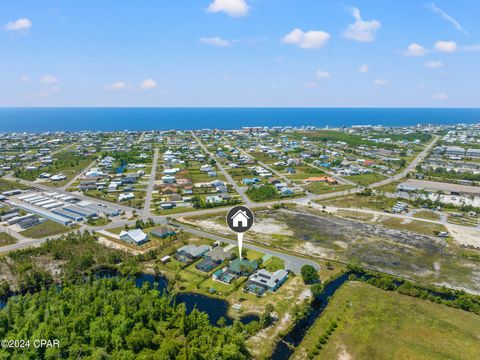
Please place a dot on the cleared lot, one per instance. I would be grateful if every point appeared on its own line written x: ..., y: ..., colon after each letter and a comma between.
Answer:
x: 405, y: 253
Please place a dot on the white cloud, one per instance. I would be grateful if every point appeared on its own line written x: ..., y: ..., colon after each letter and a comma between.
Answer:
x: 447, y: 17
x: 363, y: 69
x: 216, y: 41
x: 119, y: 85
x: 320, y: 74
x: 312, y: 39
x: 446, y: 46
x: 433, y: 64
x: 415, y: 49
x: 380, y: 82
x: 362, y: 30
x: 148, y: 84
x: 20, y: 24
x: 233, y: 8
x: 24, y: 78
x: 48, y: 79
x: 440, y: 96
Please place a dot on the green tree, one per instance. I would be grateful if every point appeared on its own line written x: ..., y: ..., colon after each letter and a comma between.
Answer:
x: 309, y: 274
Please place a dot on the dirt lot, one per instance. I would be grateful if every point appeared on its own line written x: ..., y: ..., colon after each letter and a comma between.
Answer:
x: 424, y: 258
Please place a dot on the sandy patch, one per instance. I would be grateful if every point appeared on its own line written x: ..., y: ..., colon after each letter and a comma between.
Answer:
x: 464, y: 235
x: 270, y: 226
x: 344, y: 355
x: 406, y: 221
x: 210, y: 225
x: 114, y: 245
x: 312, y: 250
x: 341, y: 244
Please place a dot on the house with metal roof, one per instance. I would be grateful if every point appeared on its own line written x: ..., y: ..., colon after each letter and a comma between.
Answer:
x: 189, y: 253
x: 263, y: 280
x: 136, y: 236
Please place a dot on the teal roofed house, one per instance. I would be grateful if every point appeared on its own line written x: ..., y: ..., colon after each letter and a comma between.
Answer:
x: 162, y: 232
x: 242, y: 267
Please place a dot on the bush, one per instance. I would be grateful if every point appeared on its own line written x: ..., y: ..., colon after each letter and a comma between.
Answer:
x: 309, y: 274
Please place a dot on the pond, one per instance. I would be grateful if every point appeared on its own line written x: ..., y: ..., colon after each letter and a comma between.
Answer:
x: 215, y: 308
x: 121, y: 168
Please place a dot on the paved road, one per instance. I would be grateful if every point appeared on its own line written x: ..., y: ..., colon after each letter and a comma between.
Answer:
x: 418, y: 159
x: 77, y: 176
x: 77, y: 195
x: 238, y: 189
x: 340, y: 179
x: 151, y: 185
x: 273, y: 171
x: 292, y: 263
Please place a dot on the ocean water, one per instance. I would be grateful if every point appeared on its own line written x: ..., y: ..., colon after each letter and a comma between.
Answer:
x: 108, y: 119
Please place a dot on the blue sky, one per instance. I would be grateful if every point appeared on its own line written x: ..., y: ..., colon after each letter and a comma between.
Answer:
x: 240, y: 53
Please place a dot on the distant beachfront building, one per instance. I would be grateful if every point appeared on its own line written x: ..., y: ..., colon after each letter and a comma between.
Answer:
x: 473, y: 152
x: 455, y: 150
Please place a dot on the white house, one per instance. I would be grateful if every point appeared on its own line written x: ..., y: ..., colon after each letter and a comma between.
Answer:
x: 58, y: 177
x: 240, y: 219
x: 126, y: 196
x: 169, y: 179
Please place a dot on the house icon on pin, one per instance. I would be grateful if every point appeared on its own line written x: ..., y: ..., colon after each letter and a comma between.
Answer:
x: 240, y: 219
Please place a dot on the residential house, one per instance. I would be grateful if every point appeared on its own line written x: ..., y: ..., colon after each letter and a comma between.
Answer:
x: 189, y: 253
x: 263, y: 280
x: 162, y: 232
x: 126, y: 196
x: 242, y: 267
x: 136, y: 236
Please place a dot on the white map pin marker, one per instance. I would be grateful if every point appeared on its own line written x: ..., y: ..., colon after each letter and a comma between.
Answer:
x: 240, y: 219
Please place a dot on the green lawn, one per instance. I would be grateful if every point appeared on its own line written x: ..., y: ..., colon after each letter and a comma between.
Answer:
x: 430, y: 215
x: 375, y: 324
x: 391, y: 188
x: 6, y: 239
x: 48, y: 228
x: 319, y: 188
x: 417, y: 226
x: 379, y: 203
x: 198, y: 176
x: 263, y: 157
x: 366, y: 179
x: 274, y: 264
x: 6, y: 185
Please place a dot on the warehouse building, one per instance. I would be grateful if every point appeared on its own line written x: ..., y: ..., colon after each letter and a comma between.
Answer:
x: 86, y: 213
x: 68, y: 214
x: 46, y: 214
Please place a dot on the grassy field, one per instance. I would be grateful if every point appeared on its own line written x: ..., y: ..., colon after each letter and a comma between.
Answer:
x: 418, y: 226
x: 375, y: 324
x: 48, y: 228
x: 6, y: 185
x: 391, y: 188
x: 6, y: 239
x: 430, y: 215
x: 274, y: 264
x: 379, y: 203
x: 355, y: 215
x: 319, y: 188
x: 263, y: 157
x: 366, y: 179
